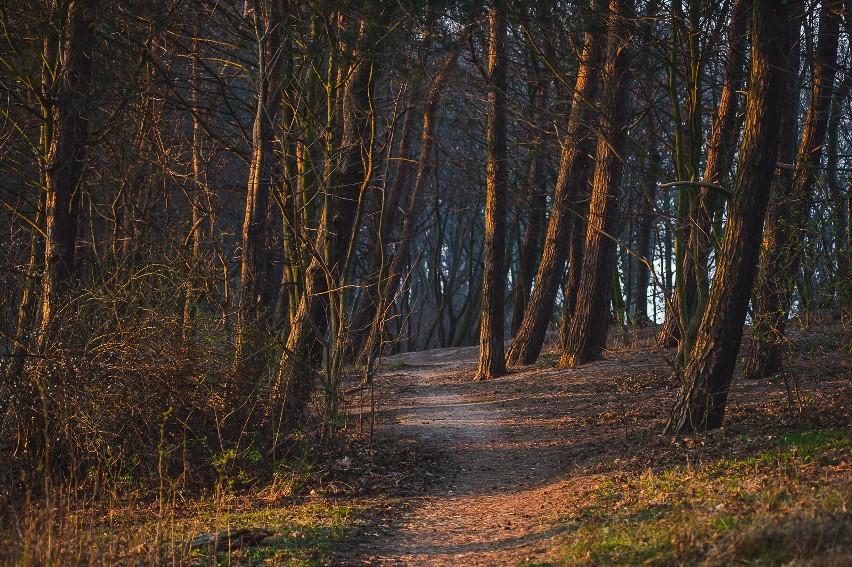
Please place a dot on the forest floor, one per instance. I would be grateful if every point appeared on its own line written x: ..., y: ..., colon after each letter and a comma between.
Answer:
x: 544, y: 466
x: 567, y: 466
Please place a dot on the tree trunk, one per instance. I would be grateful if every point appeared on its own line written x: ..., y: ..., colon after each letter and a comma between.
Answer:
x: 575, y: 267
x: 28, y: 306
x: 710, y: 366
x: 720, y: 152
x: 66, y: 158
x: 720, y: 155
x: 536, y: 205
x: 781, y: 187
x: 302, y: 352
x: 574, y: 166
x: 253, y: 270
x: 648, y: 193
x: 491, y: 348
x: 198, y: 187
x: 842, y: 284
x: 789, y: 213
x: 589, y: 325
x: 643, y: 244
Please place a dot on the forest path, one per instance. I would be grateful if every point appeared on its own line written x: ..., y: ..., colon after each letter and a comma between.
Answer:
x: 498, y: 472
x: 499, y: 478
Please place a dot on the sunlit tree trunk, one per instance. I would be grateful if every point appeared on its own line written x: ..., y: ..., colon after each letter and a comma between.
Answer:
x: 198, y: 189
x: 574, y: 167
x: 790, y: 210
x: 710, y: 366
x: 28, y: 304
x: 720, y: 154
x: 491, y: 348
x: 589, y: 325
x: 253, y: 265
x: 66, y: 156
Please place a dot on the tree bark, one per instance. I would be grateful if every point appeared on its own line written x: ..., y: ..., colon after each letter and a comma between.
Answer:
x: 66, y: 157
x: 571, y: 290
x: 536, y: 202
x: 253, y: 268
x: 710, y: 367
x: 297, y: 369
x: 589, y: 325
x: 491, y: 348
x: 789, y: 213
x: 574, y: 167
x: 720, y: 153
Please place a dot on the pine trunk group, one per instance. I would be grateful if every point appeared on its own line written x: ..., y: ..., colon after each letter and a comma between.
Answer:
x: 233, y: 211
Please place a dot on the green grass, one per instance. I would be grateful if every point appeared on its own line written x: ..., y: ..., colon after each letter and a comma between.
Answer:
x: 394, y: 366
x: 304, y: 534
x: 742, y: 510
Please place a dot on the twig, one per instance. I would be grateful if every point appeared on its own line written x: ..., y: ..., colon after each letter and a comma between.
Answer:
x: 711, y: 186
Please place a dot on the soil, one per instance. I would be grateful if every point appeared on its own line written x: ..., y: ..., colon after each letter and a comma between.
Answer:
x: 498, y: 467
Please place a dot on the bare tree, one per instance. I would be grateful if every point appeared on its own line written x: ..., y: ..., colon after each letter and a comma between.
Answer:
x: 254, y: 277
x: 590, y: 322
x: 66, y: 155
x: 491, y: 350
x: 574, y: 172
x: 710, y: 366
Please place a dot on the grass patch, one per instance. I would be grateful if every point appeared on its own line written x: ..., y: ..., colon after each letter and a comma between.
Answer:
x: 304, y: 533
x: 786, y: 500
x: 394, y: 366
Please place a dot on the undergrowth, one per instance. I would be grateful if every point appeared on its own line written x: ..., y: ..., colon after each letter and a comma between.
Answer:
x: 786, y: 499
x: 300, y: 507
x: 303, y: 533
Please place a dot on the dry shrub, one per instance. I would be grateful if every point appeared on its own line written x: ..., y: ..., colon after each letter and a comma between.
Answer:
x: 122, y: 397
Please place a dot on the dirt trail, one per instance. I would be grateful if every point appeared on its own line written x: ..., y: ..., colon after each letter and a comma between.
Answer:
x: 495, y: 493
x: 501, y: 468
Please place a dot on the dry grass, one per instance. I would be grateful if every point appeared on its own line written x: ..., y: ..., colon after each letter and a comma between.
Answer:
x: 781, y: 500
x: 106, y: 532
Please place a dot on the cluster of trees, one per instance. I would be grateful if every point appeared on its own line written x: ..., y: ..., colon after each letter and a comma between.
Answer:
x: 213, y: 212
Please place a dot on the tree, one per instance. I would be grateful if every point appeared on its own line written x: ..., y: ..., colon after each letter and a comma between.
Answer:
x: 491, y: 353
x: 69, y: 126
x: 589, y: 325
x: 720, y: 154
x: 302, y: 354
x: 682, y: 319
x: 789, y: 211
x: 535, y: 198
x: 709, y: 369
x: 254, y: 277
x: 392, y: 271
x: 574, y: 172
